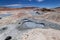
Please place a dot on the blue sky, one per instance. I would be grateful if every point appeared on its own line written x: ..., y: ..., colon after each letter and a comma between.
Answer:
x: 26, y: 3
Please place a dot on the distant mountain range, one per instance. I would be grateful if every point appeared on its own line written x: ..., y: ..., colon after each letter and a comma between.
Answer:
x: 37, y: 8
x: 57, y: 8
x: 27, y: 7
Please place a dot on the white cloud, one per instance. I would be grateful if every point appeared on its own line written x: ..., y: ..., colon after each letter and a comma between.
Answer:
x: 14, y: 5
x: 40, y: 0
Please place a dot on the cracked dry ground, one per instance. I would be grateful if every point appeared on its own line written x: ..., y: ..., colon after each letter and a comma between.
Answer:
x: 29, y: 25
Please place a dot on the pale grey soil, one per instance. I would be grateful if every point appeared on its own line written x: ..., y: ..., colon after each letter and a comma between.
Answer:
x: 23, y: 25
x: 28, y: 23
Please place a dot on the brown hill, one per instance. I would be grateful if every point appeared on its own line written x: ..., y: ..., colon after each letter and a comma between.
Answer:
x: 57, y: 9
x: 29, y: 8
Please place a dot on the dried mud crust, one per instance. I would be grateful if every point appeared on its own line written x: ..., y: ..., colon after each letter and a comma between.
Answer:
x: 36, y: 23
x: 41, y: 34
x: 17, y: 29
x: 55, y: 16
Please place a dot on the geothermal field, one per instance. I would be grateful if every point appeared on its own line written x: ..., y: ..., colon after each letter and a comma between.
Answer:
x: 29, y: 23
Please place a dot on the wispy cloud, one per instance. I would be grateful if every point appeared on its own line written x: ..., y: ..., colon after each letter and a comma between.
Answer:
x: 14, y: 5
x: 40, y: 0
x: 19, y: 5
